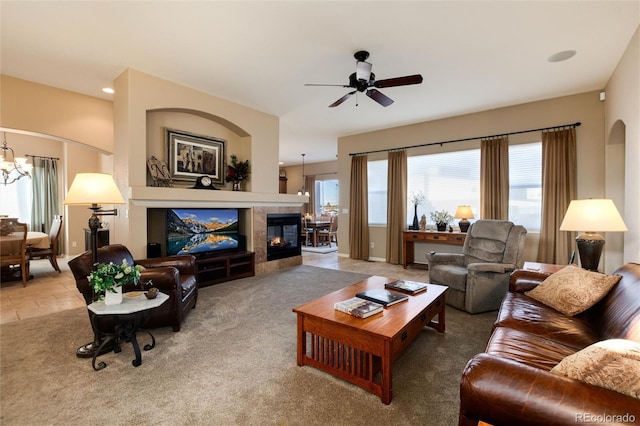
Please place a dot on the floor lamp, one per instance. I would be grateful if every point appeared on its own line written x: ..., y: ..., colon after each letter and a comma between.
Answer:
x: 592, y: 216
x: 93, y: 189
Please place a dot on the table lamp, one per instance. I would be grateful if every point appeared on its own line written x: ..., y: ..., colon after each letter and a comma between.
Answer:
x: 592, y: 216
x: 464, y: 213
x: 94, y: 189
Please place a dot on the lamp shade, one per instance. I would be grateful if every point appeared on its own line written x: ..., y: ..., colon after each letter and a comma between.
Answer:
x: 463, y: 212
x: 93, y: 188
x: 595, y: 215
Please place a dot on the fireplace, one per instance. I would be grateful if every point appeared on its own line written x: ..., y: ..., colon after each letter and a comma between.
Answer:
x: 283, y: 236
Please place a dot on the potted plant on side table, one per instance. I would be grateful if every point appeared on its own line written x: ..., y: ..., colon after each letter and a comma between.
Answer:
x: 108, y: 278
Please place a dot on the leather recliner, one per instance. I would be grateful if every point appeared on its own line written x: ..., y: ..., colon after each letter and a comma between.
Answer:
x: 172, y: 275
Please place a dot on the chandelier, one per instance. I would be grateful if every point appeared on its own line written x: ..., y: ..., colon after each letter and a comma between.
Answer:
x: 303, y: 190
x: 14, y: 169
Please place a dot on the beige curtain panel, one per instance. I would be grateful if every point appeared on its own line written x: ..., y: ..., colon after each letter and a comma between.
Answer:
x: 559, y: 187
x: 396, y: 204
x: 359, y: 209
x: 494, y: 178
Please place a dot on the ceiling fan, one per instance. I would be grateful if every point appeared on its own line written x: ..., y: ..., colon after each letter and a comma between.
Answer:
x: 363, y: 80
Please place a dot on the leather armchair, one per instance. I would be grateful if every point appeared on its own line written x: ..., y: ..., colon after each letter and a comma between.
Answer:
x: 172, y: 275
x: 479, y: 277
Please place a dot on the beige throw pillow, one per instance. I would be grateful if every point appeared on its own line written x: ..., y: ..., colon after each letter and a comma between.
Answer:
x: 612, y: 364
x: 573, y: 290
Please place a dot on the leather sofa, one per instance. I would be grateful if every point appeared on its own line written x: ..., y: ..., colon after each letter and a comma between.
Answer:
x: 511, y: 383
x: 172, y: 275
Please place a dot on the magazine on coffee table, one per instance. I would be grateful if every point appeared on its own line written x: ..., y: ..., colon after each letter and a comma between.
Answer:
x: 358, y: 307
x: 411, y: 287
x: 382, y: 296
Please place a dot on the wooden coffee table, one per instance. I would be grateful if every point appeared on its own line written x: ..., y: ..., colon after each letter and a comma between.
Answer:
x: 362, y: 351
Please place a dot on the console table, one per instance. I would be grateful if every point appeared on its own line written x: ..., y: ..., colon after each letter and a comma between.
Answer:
x: 411, y: 237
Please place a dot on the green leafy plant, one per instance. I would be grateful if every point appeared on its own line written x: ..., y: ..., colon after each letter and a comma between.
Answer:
x: 441, y: 217
x: 237, y: 170
x: 108, y: 276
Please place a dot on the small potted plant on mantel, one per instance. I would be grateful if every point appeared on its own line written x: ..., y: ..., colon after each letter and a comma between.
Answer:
x: 237, y: 172
x: 441, y: 218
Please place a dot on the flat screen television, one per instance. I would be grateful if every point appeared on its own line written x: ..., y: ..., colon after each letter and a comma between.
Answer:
x: 199, y: 231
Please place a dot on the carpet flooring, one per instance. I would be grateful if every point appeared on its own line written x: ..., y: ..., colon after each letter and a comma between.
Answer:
x: 233, y: 363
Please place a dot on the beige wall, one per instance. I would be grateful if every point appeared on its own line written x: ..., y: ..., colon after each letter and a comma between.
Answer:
x: 585, y: 108
x: 76, y: 128
x: 256, y: 135
x: 622, y: 138
x: 325, y: 170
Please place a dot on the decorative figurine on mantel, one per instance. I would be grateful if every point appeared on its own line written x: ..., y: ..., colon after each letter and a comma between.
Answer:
x: 159, y: 172
x: 423, y: 223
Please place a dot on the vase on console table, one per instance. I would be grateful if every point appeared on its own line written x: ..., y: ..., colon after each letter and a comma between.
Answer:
x: 416, y: 224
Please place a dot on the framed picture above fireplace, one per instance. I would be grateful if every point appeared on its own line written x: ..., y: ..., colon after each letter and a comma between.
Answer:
x: 191, y: 156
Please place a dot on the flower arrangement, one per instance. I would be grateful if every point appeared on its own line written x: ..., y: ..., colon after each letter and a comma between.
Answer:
x: 417, y: 198
x: 441, y: 217
x: 237, y: 170
x: 108, y: 276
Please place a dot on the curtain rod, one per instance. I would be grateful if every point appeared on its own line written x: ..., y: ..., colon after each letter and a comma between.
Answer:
x: 40, y: 156
x: 470, y: 139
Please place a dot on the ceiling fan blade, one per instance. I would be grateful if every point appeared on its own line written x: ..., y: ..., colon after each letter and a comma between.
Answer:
x: 363, y: 70
x: 342, y: 99
x: 399, y: 81
x: 332, y: 85
x: 383, y: 100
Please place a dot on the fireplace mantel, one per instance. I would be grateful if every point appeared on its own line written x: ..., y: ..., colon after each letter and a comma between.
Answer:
x: 158, y: 197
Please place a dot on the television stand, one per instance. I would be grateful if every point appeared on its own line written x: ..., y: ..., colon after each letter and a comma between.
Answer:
x: 220, y: 267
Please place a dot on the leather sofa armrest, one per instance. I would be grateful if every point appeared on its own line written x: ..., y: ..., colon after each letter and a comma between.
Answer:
x: 502, y: 391
x: 491, y: 267
x: 455, y: 258
x: 523, y: 280
x: 186, y: 264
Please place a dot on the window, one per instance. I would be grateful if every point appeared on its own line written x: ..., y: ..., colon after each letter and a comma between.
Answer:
x: 447, y: 180
x: 451, y: 179
x: 525, y: 185
x: 326, y: 197
x: 16, y: 199
x: 377, y: 183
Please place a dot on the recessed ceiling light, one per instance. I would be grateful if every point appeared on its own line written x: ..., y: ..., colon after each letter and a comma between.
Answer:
x: 108, y: 90
x: 561, y: 56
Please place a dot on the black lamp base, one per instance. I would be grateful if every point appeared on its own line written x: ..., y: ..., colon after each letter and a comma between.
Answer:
x: 590, y: 247
x: 464, y: 225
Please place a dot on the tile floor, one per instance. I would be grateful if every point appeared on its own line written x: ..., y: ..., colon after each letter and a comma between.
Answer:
x: 50, y: 292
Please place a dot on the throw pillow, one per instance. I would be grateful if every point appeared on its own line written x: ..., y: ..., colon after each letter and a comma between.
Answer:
x: 612, y: 364
x: 573, y: 290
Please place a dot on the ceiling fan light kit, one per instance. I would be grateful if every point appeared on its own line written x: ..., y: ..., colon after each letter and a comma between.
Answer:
x: 364, y: 81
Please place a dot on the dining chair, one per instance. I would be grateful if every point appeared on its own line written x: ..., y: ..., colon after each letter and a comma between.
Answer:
x: 13, y: 250
x: 328, y: 235
x: 306, y: 232
x: 52, y: 251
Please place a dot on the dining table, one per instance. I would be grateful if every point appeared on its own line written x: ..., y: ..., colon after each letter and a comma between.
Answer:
x: 34, y: 239
x: 10, y: 243
x: 317, y: 225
